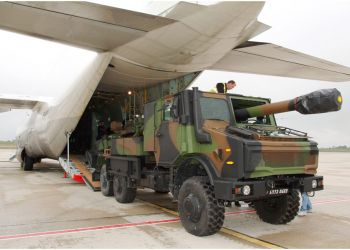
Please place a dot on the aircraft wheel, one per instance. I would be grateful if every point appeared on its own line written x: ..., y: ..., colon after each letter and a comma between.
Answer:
x: 106, y: 185
x: 278, y: 210
x: 28, y: 163
x: 122, y: 192
x: 199, y: 211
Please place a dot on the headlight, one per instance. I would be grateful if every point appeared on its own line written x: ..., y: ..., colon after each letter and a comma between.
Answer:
x: 314, y: 184
x: 246, y: 190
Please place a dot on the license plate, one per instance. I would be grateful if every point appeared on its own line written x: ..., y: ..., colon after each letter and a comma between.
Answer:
x: 277, y: 191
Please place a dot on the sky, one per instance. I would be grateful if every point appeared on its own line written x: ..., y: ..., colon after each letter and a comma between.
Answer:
x: 35, y: 67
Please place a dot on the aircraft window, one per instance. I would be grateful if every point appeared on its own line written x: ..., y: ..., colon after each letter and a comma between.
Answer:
x: 214, y: 109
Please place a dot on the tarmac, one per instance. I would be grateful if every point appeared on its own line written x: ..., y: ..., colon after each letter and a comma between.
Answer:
x: 42, y: 209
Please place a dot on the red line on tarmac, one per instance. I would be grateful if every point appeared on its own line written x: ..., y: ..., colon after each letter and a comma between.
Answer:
x: 136, y: 224
x: 330, y: 201
x: 76, y: 230
x: 115, y: 226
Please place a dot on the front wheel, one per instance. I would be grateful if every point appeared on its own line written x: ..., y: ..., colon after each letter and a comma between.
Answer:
x: 122, y: 192
x: 199, y: 211
x: 28, y: 163
x: 278, y: 210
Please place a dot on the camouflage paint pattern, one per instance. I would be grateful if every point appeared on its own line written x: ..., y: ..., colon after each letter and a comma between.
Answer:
x: 170, y: 87
x: 132, y: 146
x: 233, y: 155
x: 265, y: 158
x: 268, y: 156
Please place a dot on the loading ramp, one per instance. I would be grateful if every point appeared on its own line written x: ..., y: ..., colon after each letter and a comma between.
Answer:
x: 78, y: 170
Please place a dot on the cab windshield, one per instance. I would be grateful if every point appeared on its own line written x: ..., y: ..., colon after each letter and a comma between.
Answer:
x: 214, y: 109
x: 246, y: 102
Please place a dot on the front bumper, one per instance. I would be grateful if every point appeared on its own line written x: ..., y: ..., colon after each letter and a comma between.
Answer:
x: 231, y: 190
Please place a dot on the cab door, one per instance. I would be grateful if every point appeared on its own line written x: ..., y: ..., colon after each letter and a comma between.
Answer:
x: 167, y: 133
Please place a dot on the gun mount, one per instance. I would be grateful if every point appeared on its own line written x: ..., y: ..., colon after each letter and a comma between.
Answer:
x: 320, y: 101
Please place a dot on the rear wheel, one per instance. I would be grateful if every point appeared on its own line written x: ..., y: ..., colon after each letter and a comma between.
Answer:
x: 278, y: 210
x: 106, y: 185
x: 27, y: 163
x: 199, y: 211
x: 122, y: 192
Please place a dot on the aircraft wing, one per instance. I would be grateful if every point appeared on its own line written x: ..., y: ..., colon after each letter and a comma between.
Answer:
x: 8, y: 102
x: 82, y: 24
x: 149, y: 49
x: 271, y: 59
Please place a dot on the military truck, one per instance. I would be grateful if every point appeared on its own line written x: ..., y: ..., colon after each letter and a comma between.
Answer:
x: 211, y: 149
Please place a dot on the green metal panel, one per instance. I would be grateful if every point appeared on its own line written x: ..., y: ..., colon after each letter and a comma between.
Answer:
x: 169, y: 87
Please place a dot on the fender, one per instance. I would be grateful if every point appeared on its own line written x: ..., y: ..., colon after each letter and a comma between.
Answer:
x: 207, y: 164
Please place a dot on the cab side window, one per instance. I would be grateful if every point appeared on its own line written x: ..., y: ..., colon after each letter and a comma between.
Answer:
x: 171, y: 109
x: 167, y: 111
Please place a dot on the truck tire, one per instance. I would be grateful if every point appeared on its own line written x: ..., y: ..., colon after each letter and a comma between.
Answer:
x: 27, y: 163
x: 199, y: 211
x: 278, y: 210
x: 122, y: 192
x: 106, y: 185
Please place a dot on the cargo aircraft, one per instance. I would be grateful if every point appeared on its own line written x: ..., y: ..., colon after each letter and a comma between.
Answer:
x: 152, y: 55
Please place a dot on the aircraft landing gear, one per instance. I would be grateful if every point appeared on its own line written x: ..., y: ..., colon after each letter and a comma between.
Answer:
x: 27, y: 163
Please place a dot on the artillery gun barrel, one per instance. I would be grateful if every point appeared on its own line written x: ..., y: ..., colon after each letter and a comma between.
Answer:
x: 320, y: 101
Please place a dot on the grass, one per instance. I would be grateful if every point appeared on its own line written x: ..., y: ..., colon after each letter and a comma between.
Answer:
x: 344, y: 149
x: 7, y: 144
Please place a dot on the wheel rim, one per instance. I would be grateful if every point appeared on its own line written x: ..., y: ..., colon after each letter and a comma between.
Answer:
x: 192, y: 208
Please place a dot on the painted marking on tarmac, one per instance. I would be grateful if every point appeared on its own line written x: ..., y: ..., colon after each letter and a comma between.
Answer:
x: 155, y: 222
x: 330, y: 201
x: 230, y: 232
x: 250, y: 239
x: 77, y: 230
x: 169, y: 211
x: 242, y: 236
